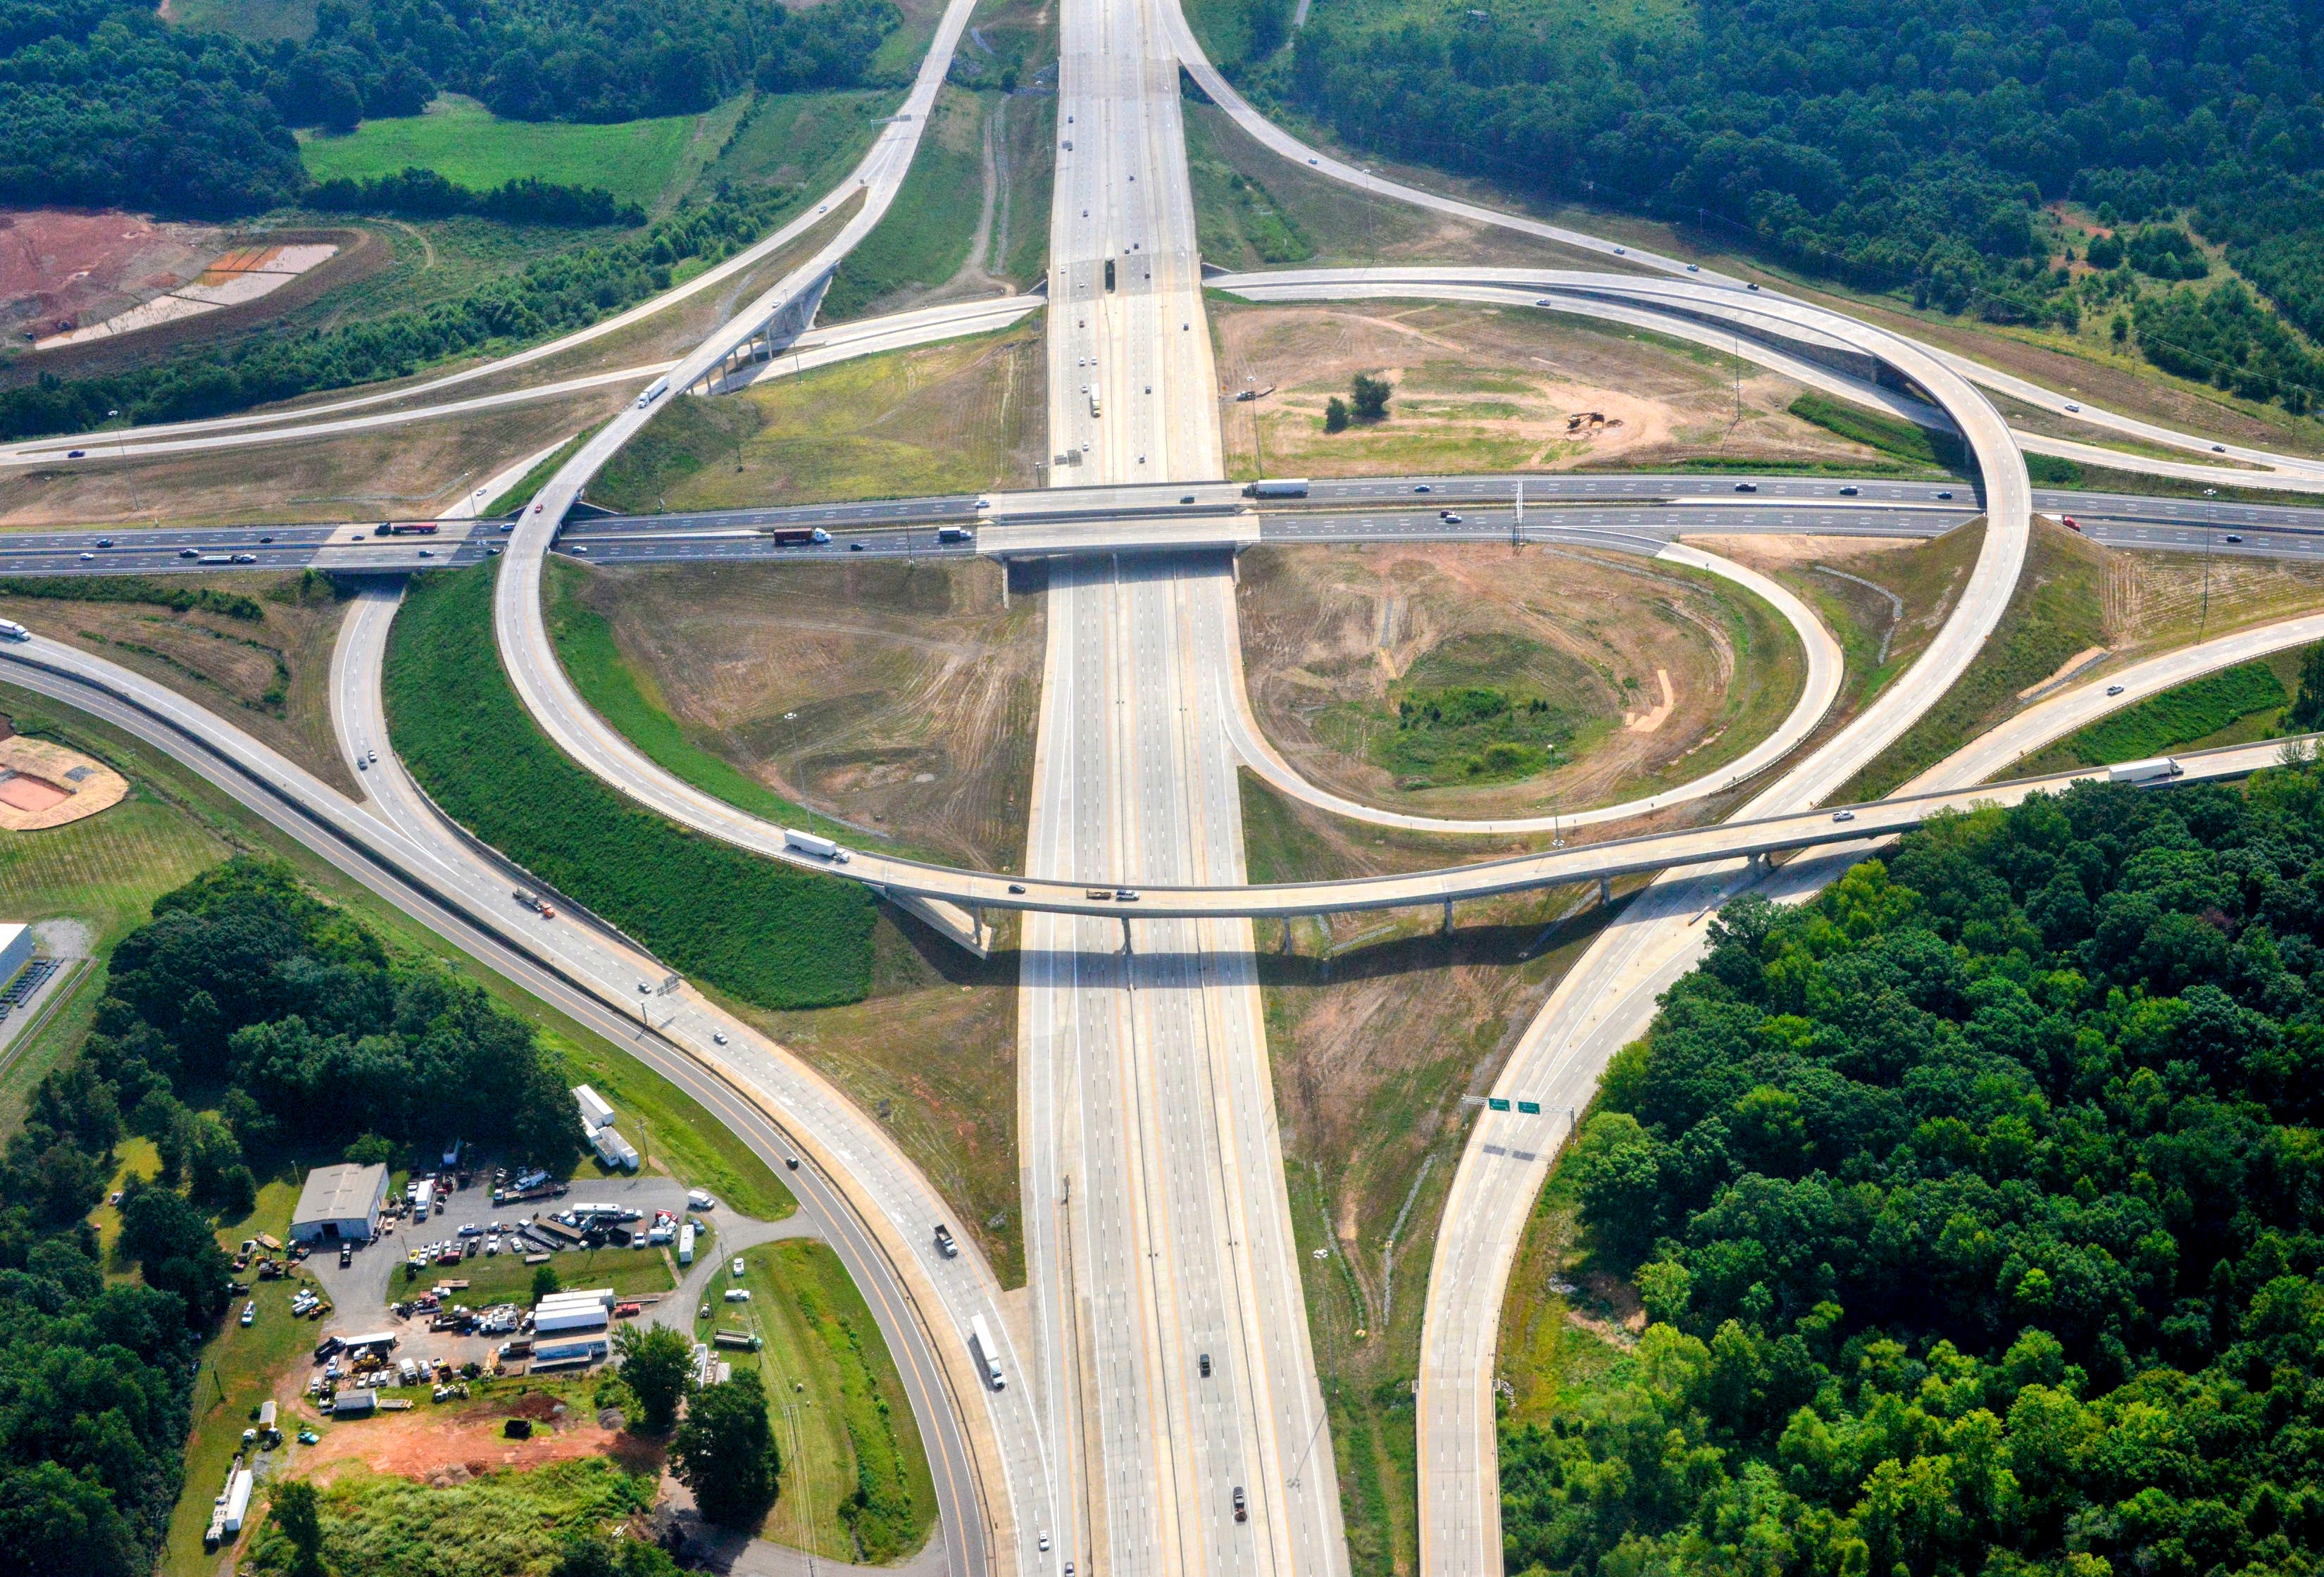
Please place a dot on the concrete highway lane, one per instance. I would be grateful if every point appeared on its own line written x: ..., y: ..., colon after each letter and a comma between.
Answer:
x: 1168, y: 1307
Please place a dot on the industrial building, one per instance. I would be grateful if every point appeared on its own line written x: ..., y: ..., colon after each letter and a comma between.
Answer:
x: 340, y: 1204
x: 16, y: 950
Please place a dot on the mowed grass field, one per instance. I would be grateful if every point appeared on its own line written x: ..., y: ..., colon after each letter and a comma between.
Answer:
x: 855, y: 1482
x: 468, y: 144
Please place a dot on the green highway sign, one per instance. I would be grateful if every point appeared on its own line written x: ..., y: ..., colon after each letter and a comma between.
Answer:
x: 1498, y: 1104
x: 1530, y: 1108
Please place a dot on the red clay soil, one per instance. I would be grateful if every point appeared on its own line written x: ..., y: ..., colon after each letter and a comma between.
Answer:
x: 84, y: 264
x: 88, y: 265
x: 432, y: 1439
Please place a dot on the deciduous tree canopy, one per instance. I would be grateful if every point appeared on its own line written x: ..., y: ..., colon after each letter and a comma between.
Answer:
x: 1978, y: 1206
x: 1891, y: 146
x: 102, y: 102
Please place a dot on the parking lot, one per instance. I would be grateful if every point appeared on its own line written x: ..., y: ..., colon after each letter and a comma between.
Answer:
x: 361, y: 1293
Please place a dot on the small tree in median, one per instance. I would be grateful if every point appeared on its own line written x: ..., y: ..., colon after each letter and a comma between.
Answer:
x: 2307, y: 711
x: 724, y: 1452
x: 297, y: 1515
x: 656, y: 1363
x: 1369, y: 397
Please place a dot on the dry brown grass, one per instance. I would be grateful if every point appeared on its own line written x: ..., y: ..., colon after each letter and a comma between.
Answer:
x: 959, y: 417
x: 896, y: 699
x: 1330, y: 635
x: 900, y: 699
x: 931, y: 1054
x: 2154, y: 602
x: 271, y: 679
x: 418, y: 469
x: 1489, y: 388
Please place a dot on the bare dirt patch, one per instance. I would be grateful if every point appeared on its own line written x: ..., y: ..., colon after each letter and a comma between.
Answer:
x: 82, y: 264
x: 463, y: 1440
x: 1647, y: 662
x: 1497, y: 389
x: 44, y: 785
x: 895, y: 698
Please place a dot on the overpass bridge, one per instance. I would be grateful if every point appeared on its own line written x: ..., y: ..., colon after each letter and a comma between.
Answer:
x: 1758, y: 841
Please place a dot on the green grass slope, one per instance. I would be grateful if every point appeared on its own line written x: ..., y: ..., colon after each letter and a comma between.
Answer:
x: 771, y: 935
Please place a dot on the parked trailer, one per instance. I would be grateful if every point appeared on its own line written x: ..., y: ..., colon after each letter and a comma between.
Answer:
x: 741, y: 1339
x: 237, y: 1501
x: 568, y: 1355
x: 613, y: 1149
x: 2154, y: 769
x: 1277, y: 487
x: 986, y: 1353
x: 556, y: 1322
x: 814, y: 844
x: 596, y: 1111
x: 685, y: 1245
x: 601, y: 1296
x: 550, y: 1230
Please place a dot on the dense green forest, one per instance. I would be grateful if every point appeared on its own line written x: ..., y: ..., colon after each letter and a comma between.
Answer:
x: 1978, y: 1208
x: 1896, y: 148
x: 563, y: 292
x: 101, y: 102
x: 247, y: 1017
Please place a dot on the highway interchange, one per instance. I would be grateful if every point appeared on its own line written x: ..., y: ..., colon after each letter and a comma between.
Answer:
x: 1167, y: 1367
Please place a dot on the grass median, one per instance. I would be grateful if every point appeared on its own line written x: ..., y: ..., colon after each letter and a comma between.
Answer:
x: 855, y: 1480
x: 742, y: 922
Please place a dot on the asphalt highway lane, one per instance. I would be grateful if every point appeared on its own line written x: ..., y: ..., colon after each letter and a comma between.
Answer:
x: 396, y: 847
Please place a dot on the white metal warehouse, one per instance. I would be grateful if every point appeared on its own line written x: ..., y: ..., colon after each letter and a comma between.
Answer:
x: 340, y: 1204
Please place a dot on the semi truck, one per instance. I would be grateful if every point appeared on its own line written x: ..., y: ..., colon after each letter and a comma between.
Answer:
x: 1277, y: 487
x: 1093, y: 410
x: 822, y: 848
x: 952, y: 534
x: 799, y: 535
x: 654, y: 390
x: 986, y: 1353
x: 2154, y: 769
x: 12, y: 630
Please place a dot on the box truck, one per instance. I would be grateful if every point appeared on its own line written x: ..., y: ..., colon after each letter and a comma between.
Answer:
x: 987, y: 1354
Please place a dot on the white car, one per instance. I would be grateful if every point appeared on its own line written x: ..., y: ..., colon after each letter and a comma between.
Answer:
x: 738, y: 1295
x: 250, y: 1314
x: 738, y: 1265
